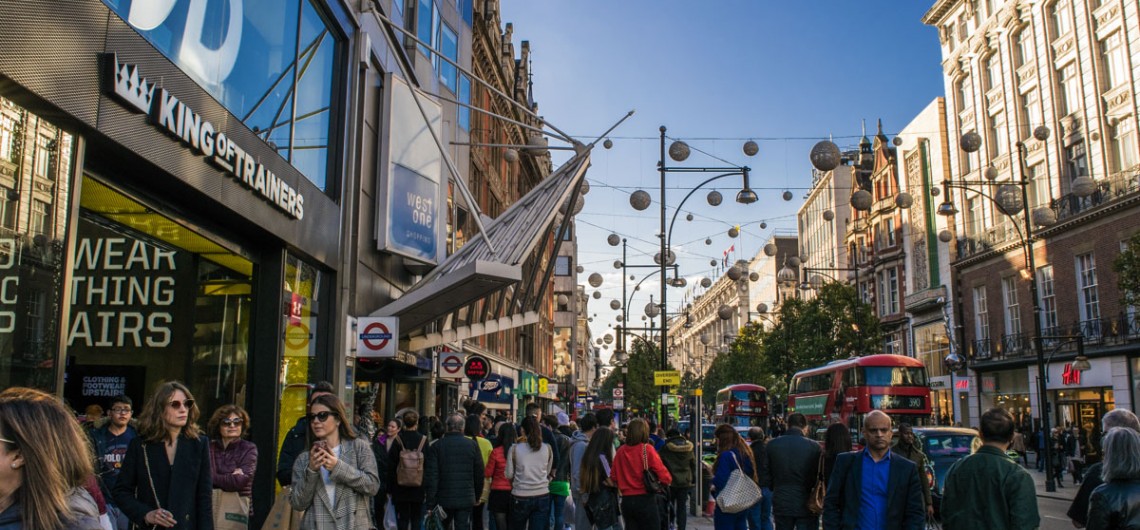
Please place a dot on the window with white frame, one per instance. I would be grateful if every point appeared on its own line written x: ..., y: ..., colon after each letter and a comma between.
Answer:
x: 1088, y: 299
x: 1012, y: 309
x: 1062, y: 24
x: 889, y: 228
x: 882, y: 291
x: 981, y: 314
x: 893, y: 290
x: 1070, y: 88
x: 993, y: 72
x: 1024, y: 42
x: 965, y: 101
x: 7, y: 130
x: 964, y: 29
x: 1115, y: 60
x: 1124, y: 145
x: 975, y: 217
x: 1048, y: 299
x: 39, y: 218
x: 951, y: 34
x: 996, y: 140
x: 1076, y: 161
x: 45, y: 157
x: 1030, y: 111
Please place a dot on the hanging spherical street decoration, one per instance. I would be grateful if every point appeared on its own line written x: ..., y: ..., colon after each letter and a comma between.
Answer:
x: 607, y: 143
x: 861, y: 200
x: 614, y: 240
x: 935, y: 191
x: 595, y: 279
x: 708, y: 240
x: 945, y: 236
x: 904, y: 200
x: 705, y: 282
x: 511, y: 156
x: 651, y: 310
x: 724, y: 312
x: 618, y: 264
x: 734, y: 273
x: 825, y: 156
x: 754, y: 276
x: 794, y: 261
x: 787, y: 195
x: 537, y: 145
x: 1041, y: 133
x: 689, y: 217
x: 1044, y: 217
x: 1008, y: 199
x: 679, y: 151
x: 585, y: 187
x: 733, y: 232
x: 680, y: 282
x: 751, y: 148
x: 828, y: 215
x: 631, y: 278
x: 608, y: 338
x: 715, y: 198
x: 991, y: 173
x: 761, y: 308
x: 671, y: 258
x: 620, y: 318
x: 615, y: 305
x: 770, y: 249
x: 597, y: 295
x: 640, y: 200
x: 1083, y: 186
x: 580, y: 269
x: 563, y: 300
x: 971, y: 142
x: 763, y: 225
x: 598, y: 341
x: 898, y: 141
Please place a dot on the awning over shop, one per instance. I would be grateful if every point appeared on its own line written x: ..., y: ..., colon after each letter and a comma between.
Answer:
x: 484, y: 288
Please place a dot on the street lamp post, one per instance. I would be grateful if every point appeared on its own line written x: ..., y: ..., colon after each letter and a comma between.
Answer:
x: 679, y: 151
x: 1012, y: 198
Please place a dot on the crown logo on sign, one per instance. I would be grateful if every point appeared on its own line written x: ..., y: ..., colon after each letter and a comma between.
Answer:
x: 129, y: 85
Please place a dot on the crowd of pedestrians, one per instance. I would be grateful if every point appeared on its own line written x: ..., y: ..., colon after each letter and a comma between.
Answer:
x: 477, y: 471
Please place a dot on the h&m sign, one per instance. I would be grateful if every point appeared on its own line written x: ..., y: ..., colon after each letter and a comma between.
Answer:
x: 166, y: 113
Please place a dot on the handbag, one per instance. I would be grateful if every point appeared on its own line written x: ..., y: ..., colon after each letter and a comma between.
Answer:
x: 150, y: 480
x: 652, y: 482
x: 819, y: 491
x: 231, y: 510
x: 282, y: 516
x: 740, y: 493
x: 602, y: 506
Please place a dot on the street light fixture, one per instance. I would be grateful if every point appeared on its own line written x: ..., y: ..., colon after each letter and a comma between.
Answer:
x: 1012, y: 198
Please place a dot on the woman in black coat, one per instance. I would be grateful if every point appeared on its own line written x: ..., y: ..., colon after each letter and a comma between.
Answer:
x: 165, y: 478
x: 408, y: 501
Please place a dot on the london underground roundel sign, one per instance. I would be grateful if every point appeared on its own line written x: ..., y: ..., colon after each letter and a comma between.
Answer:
x: 477, y: 367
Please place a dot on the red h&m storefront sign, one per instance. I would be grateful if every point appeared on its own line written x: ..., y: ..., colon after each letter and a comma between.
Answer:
x: 1070, y: 376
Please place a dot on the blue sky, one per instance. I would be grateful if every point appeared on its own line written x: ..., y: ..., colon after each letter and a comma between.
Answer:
x: 716, y: 73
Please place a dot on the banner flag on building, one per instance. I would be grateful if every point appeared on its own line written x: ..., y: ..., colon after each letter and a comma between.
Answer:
x: 727, y: 251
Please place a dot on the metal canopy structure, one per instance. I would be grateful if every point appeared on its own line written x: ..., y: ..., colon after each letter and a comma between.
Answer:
x: 497, y: 282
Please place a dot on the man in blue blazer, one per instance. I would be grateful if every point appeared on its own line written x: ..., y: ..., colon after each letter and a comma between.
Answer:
x: 874, y: 489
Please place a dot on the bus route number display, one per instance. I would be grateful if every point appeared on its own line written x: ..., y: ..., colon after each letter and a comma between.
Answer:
x: 890, y: 401
x: 477, y: 368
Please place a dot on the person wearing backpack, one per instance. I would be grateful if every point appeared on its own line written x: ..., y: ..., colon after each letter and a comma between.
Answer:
x: 406, y: 473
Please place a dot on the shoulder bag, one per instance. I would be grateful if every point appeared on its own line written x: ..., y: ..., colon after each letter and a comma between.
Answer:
x: 740, y: 493
x: 150, y: 480
x: 815, y: 500
x: 652, y: 482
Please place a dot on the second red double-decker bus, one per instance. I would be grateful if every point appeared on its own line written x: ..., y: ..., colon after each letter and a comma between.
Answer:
x: 845, y: 391
x: 742, y: 406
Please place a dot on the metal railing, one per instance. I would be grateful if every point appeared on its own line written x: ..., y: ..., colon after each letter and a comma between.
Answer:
x: 1123, y: 328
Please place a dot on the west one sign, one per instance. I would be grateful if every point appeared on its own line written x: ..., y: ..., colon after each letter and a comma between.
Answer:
x: 166, y: 113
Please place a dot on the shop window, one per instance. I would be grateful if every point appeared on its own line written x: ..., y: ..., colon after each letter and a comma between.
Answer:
x: 272, y: 63
x: 31, y: 260
x: 153, y: 300
x: 303, y: 324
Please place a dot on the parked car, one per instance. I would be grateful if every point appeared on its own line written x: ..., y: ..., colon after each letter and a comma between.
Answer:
x: 943, y: 446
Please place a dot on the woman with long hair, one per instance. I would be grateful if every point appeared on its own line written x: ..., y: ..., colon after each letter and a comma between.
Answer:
x: 639, y: 506
x: 732, y: 454
x: 233, y: 459
x: 837, y: 440
x: 165, y: 479
x: 1114, y: 503
x: 601, y: 492
x: 499, y: 502
x: 530, y: 467
x: 44, y: 462
x: 334, y: 482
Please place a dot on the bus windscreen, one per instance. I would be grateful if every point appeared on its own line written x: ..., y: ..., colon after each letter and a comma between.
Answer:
x: 892, y: 376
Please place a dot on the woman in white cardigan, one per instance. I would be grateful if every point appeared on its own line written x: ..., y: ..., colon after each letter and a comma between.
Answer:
x: 334, y: 482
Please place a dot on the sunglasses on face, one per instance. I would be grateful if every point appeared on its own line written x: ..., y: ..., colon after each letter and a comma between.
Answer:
x: 322, y: 416
x: 188, y: 404
x: 234, y: 422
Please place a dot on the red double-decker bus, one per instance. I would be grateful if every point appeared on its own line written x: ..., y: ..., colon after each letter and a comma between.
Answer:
x: 742, y: 406
x: 845, y: 391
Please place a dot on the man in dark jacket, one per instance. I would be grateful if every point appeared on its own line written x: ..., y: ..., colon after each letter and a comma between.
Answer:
x: 453, y: 475
x: 790, y: 472
x: 678, y: 456
x: 760, y: 516
x: 295, y: 439
x: 408, y: 501
x: 874, y: 488
x: 987, y: 489
x: 909, y: 449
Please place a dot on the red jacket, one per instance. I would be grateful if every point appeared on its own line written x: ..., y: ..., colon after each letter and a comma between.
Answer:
x: 496, y: 465
x: 628, y: 469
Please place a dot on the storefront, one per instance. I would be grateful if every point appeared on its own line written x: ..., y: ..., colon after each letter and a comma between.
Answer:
x: 1008, y: 389
x: 1080, y: 399
x: 167, y: 207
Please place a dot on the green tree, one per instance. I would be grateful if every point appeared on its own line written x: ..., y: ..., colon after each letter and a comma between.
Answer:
x: 640, y: 394
x: 1127, y: 268
x: 742, y: 362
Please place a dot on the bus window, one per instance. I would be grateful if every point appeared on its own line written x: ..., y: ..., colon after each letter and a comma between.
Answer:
x: 893, y: 376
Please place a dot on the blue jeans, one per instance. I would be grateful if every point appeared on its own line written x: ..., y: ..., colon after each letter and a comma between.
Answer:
x: 730, y: 521
x: 557, y: 512
x: 530, y: 513
x: 760, y: 516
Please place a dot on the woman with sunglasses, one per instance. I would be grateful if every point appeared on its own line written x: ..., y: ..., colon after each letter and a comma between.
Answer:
x: 335, y: 481
x: 165, y: 478
x: 232, y: 459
